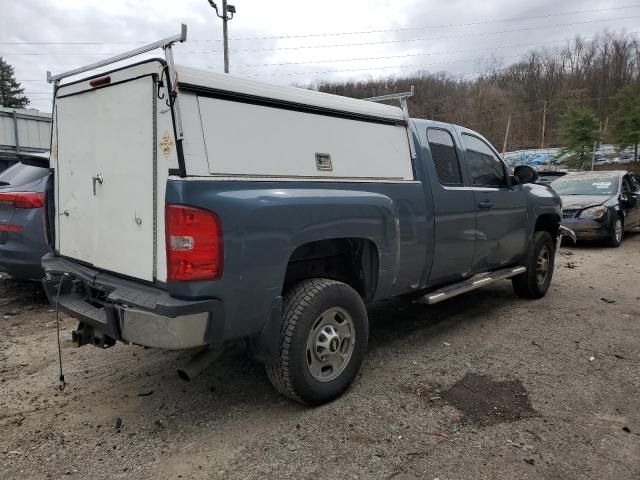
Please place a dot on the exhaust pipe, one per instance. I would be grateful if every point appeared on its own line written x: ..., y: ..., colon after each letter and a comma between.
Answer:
x: 198, y: 363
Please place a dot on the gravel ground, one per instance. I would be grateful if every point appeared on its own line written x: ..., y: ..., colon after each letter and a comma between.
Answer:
x: 483, y: 386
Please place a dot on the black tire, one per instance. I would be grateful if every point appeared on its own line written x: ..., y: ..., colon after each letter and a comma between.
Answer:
x: 303, y: 311
x: 615, y: 235
x: 532, y: 284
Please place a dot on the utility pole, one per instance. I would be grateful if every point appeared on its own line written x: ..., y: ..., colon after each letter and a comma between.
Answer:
x: 227, y: 14
x: 544, y: 124
x: 603, y: 132
x: 506, y: 135
x: 595, y: 143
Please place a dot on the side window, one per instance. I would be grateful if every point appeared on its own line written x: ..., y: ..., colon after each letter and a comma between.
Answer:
x: 485, y: 168
x: 445, y: 158
x: 626, y: 185
x: 636, y: 183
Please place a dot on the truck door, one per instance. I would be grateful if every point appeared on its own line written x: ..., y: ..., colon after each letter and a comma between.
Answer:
x: 454, y: 208
x: 501, y: 210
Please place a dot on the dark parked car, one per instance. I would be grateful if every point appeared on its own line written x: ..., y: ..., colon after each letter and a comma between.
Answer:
x: 600, y: 205
x: 22, y: 232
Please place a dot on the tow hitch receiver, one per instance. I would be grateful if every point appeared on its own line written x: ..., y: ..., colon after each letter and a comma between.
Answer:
x: 85, y: 334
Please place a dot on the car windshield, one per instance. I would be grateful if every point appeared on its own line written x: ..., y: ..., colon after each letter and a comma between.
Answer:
x: 20, y: 174
x: 586, y: 185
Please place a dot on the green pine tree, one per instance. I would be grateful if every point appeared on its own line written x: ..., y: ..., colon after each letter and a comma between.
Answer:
x: 626, y: 117
x: 579, y: 130
x: 11, y: 93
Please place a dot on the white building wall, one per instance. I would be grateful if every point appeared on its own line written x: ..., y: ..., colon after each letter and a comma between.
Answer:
x: 34, y: 129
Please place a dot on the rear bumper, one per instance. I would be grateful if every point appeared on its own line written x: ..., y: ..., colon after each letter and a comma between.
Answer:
x: 131, y: 312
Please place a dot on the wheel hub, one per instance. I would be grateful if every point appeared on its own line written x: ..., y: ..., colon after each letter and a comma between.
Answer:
x: 542, y: 266
x: 327, y: 342
x: 330, y: 344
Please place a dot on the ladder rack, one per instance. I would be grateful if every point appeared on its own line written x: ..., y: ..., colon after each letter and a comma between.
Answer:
x: 401, y: 97
x: 165, y: 44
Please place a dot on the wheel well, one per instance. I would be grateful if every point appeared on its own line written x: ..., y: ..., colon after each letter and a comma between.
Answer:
x: 353, y: 261
x: 549, y: 222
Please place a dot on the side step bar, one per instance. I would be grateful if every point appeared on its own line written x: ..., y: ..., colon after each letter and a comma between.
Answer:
x: 475, y: 282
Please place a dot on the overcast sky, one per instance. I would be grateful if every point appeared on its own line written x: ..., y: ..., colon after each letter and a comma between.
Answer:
x: 325, y: 37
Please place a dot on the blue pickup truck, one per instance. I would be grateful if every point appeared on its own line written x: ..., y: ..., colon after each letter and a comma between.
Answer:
x: 189, y: 208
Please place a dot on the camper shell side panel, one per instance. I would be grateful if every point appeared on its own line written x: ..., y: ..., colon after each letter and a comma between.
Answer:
x: 247, y: 128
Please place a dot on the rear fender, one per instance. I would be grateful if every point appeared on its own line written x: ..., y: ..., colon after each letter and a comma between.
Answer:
x: 263, y: 226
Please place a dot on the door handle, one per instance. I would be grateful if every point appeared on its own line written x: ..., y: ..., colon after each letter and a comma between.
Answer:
x: 97, y: 179
x: 485, y: 205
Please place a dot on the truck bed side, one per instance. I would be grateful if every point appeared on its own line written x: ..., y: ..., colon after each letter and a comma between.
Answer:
x: 265, y: 222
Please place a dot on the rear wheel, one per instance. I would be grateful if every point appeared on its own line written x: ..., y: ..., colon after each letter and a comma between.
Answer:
x: 323, y: 340
x: 616, y: 232
x: 535, y: 282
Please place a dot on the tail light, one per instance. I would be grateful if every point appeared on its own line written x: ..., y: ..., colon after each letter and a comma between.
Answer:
x: 23, y: 199
x: 10, y: 228
x: 194, y: 243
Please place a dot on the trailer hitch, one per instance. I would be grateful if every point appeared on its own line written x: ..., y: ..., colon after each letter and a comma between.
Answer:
x: 87, y: 335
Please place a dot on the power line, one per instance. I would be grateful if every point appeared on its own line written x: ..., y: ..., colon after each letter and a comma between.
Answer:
x: 428, y: 27
x: 287, y: 74
x: 449, y: 52
x: 382, y: 42
x: 445, y: 37
x: 363, y: 32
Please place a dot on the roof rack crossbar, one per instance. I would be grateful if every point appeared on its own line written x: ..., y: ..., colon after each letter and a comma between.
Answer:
x: 164, y: 43
x: 392, y: 96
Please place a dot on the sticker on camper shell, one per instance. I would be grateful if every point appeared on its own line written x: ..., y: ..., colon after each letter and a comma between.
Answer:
x: 54, y: 152
x: 166, y: 145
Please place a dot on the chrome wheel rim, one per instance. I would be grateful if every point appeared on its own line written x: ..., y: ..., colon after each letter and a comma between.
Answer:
x: 330, y: 344
x: 618, y: 230
x: 542, y: 265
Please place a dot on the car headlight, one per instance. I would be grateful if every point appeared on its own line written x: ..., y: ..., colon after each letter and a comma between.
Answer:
x: 594, y: 212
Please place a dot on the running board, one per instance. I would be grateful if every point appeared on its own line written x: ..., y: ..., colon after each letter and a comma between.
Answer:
x: 477, y: 281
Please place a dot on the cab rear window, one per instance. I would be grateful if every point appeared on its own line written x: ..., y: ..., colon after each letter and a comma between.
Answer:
x: 445, y: 158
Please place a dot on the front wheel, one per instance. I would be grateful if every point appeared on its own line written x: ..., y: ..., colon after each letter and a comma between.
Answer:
x: 616, y: 233
x: 535, y: 282
x: 323, y: 339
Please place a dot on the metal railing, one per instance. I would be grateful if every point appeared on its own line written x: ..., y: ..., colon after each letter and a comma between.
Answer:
x: 165, y: 44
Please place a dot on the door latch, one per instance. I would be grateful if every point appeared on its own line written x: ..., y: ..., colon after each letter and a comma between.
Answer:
x: 97, y: 179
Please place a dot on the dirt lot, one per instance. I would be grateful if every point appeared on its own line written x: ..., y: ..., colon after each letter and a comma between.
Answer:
x: 484, y: 386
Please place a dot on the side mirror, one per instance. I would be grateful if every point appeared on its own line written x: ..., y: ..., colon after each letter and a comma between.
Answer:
x: 525, y: 174
x: 628, y: 200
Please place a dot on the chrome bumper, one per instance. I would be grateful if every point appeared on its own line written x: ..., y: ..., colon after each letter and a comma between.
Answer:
x: 129, y: 311
x: 564, y: 231
x: 151, y: 330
